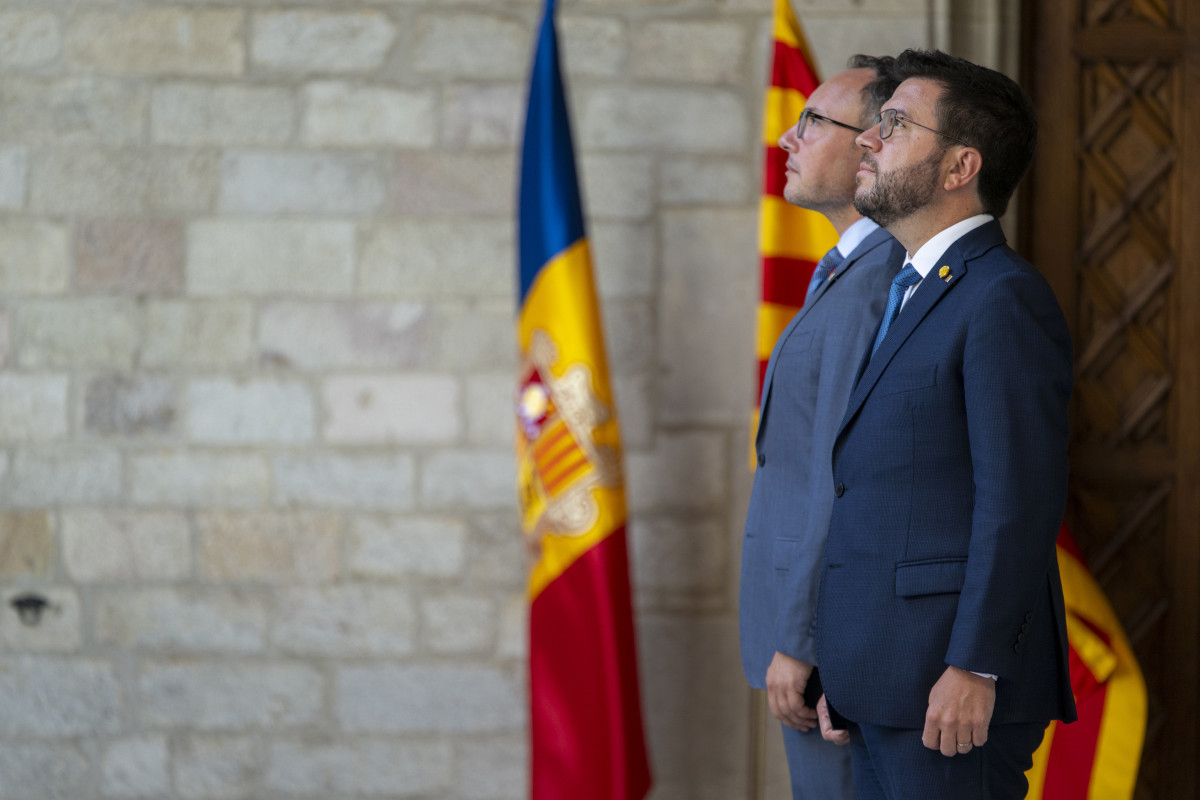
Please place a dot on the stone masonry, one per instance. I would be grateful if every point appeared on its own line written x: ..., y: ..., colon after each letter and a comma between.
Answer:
x: 256, y: 371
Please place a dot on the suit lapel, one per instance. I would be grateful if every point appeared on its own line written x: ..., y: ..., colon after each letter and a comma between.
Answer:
x: 769, y: 376
x: 874, y: 239
x: 929, y: 293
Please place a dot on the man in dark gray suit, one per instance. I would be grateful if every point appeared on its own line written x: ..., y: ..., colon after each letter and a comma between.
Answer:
x: 805, y: 389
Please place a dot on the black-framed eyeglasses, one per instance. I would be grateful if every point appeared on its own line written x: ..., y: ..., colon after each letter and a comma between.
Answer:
x: 889, y: 119
x: 807, y: 116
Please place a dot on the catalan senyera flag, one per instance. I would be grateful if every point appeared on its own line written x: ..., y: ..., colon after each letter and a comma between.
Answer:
x: 586, y: 738
x: 1096, y: 757
x: 791, y: 240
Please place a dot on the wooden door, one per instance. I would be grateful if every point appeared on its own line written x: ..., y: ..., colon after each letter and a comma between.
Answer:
x: 1112, y: 217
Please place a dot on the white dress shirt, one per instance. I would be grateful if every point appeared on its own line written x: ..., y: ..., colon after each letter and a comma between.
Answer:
x: 854, y: 235
x: 925, y: 259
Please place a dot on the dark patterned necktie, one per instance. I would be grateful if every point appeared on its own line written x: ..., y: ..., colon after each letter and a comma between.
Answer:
x: 904, y: 279
x: 827, y: 264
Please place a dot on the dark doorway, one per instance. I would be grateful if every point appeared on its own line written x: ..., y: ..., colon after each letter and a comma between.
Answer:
x: 1112, y: 217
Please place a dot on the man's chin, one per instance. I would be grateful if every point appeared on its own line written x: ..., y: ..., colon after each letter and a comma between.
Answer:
x: 797, y: 198
x: 871, y: 212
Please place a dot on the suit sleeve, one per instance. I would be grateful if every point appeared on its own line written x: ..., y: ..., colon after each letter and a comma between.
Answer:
x: 793, y: 622
x: 1017, y: 374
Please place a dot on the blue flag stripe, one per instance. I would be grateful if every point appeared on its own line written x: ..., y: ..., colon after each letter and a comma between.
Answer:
x: 551, y: 216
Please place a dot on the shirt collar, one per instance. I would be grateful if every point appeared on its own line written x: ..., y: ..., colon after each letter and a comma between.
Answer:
x: 926, y: 257
x: 854, y: 236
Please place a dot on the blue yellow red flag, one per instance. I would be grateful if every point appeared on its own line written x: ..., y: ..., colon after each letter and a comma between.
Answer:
x: 586, y: 736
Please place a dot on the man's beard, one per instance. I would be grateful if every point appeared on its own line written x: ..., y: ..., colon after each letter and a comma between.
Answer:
x: 900, y: 192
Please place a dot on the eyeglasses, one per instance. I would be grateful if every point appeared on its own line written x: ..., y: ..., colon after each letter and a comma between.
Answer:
x: 807, y: 116
x: 889, y: 119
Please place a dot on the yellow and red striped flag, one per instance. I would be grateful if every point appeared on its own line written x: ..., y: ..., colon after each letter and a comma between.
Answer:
x: 1096, y: 757
x: 791, y: 240
x: 586, y: 737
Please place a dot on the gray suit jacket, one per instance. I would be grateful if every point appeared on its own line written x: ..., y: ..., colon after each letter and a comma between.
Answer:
x: 805, y: 389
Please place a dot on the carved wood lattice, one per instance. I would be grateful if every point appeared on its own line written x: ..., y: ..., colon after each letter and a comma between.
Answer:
x: 1126, y: 115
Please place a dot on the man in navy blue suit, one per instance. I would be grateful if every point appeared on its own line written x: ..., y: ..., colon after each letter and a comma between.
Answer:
x: 805, y: 387
x: 940, y: 625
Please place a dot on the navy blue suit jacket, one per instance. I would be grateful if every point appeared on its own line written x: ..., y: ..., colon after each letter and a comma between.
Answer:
x: 950, y: 477
x: 805, y: 388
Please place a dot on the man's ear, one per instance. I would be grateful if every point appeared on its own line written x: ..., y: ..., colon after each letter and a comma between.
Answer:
x: 964, y: 168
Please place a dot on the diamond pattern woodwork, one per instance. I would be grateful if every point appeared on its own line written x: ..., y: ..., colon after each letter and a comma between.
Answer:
x: 1160, y: 12
x: 1111, y: 83
x: 1126, y: 265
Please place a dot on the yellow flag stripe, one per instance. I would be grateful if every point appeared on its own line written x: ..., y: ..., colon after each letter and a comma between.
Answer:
x: 564, y: 465
x: 772, y: 319
x: 1096, y: 655
x: 567, y: 473
x: 555, y: 445
x: 1122, y: 732
x: 781, y: 109
x: 752, y: 453
x: 554, y: 460
x: 1036, y: 775
x: 786, y: 28
x: 791, y: 232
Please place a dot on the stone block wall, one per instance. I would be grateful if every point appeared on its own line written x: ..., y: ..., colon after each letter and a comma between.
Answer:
x: 256, y: 365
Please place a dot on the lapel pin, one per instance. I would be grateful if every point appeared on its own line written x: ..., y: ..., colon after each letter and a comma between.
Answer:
x: 944, y: 274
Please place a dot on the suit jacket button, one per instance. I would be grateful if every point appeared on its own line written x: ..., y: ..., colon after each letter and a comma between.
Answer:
x: 1029, y: 616
x: 1020, y: 637
x: 1017, y: 647
x: 762, y: 459
x: 1024, y: 627
x: 839, y: 490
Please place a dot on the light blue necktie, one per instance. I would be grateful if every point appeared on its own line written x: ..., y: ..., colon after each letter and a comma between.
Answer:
x: 904, y: 279
x: 827, y: 264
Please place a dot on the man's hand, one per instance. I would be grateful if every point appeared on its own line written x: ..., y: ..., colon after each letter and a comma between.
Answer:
x: 960, y: 709
x: 828, y: 732
x: 786, y: 679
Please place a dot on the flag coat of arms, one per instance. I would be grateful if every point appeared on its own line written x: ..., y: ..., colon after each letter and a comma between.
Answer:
x: 586, y: 737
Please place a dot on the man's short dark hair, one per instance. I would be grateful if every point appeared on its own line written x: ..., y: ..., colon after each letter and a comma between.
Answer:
x: 880, y: 87
x: 985, y: 108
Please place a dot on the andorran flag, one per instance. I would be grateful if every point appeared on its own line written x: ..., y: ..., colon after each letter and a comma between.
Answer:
x: 586, y: 739
x: 791, y: 240
x: 1096, y: 757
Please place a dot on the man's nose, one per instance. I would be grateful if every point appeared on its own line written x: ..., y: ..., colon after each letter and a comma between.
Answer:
x: 788, y: 140
x: 869, y: 139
